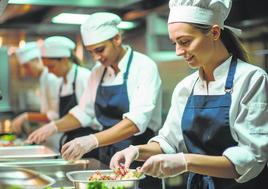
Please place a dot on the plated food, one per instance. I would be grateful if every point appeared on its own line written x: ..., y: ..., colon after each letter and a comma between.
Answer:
x: 118, y: 174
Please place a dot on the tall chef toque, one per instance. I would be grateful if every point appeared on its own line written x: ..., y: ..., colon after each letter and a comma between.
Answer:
x: 99, y: 27
x: 207, y: 12
x: 57, y: 47
x: 28, y: 52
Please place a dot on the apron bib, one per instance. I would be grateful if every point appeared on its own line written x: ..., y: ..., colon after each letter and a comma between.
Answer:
x: 206, y: 130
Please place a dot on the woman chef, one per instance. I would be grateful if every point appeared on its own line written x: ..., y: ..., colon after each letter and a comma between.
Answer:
x: 123, y: 94
x: 217, y: 126
x: 29, y: 57
x: 58, y: 57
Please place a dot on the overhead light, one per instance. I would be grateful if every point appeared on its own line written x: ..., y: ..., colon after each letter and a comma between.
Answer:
x: 71, y: 18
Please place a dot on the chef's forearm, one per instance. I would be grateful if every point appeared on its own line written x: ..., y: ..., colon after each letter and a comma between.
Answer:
x: 121, y: 131
x: 37, y: 117
x: 216, y: 166
x: 67, y: 123
x: 148, y: 150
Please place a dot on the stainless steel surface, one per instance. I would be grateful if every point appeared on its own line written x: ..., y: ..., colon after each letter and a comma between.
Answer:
x: 57, y: 168
x: 27, y: 179
x: 26, y: 152
x: 80, y: 180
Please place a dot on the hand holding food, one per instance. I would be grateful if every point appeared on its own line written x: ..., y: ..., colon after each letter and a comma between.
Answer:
x: 126, y: 156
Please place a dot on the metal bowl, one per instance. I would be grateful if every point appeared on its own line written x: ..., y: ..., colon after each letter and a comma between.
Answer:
x: 80, y: 180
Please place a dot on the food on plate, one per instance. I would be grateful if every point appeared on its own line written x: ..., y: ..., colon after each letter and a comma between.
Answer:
x: 118, y: 174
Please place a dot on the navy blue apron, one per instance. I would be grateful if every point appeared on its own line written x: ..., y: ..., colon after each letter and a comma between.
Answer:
x: 206, y: 130
x: 110, y: 104
x: 67, y: 103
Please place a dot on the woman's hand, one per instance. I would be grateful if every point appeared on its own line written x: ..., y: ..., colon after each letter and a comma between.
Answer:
x: 126, y: 156
x: 41, y: 134
x: 18, y: 122
x: 76, y: 148
x: 165, y: 165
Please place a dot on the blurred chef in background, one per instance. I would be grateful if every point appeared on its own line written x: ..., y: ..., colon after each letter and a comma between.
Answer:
x: 29, y: 57
x: 58, y: 56
x: 123, y: 96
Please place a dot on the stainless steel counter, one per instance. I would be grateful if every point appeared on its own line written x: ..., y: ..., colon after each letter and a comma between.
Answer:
x: 57, y: 168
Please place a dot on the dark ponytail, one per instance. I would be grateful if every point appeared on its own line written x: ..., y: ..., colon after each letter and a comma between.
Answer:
x: 234, y: 45
x: 231, y: 42
x: 75, y: 59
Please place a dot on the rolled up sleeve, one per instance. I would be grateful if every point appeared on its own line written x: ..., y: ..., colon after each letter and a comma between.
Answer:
x: 144, y: 97
x: 250, y: 130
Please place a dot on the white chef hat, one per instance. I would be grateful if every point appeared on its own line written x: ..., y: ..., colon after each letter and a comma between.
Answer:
x: 99, y: 27
x: 57, y: 47
x: 207, y: 12
x: 28, y: 52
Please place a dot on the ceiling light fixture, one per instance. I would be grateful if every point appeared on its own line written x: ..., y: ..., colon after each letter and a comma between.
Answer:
x: 71, y: 18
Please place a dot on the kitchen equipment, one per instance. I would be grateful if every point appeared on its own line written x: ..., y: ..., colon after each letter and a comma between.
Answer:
x: 26, y: 152
x: 80, y: 180
x: 11, y: 177
x: 56, y: 168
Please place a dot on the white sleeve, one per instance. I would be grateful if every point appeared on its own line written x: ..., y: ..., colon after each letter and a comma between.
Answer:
x: 170, y: 137
x: 50, y: 98
x: 251, y: 130
x: 144, y: 97
x: 84, y: 112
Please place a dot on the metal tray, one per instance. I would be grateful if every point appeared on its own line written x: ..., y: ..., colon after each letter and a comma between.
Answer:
x: 26, y: 152
x: 80, y: 180
x: 23, y: 178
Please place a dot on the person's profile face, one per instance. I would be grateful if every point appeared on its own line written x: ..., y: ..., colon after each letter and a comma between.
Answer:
x: 105, y: 52
x: 190, y: 43
x: 32, y: 68
x: 53, y: 65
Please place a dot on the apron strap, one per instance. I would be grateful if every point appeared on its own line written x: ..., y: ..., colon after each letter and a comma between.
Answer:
x: 230, y: 77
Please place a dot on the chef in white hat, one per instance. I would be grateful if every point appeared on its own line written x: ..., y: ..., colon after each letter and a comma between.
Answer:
x: 217, y: 126
x: 122, y: 97
x: 58, y: 56
x: 29, y: 57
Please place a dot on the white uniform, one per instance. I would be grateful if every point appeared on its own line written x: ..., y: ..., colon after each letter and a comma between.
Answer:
x: 49, y: 94
x: 144, y: 92
x: 248, y: 116
x: 80, y: 84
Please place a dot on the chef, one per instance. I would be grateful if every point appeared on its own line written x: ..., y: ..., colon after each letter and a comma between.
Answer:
x: 29, y: 57
x: 58, y: 56
x: 217, y: 126
x: 122, y: 97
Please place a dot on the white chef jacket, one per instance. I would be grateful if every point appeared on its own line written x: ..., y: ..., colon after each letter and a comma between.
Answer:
x: 248, y: 116
x: 144, y: 93
x: 80, y: 83
x: 49, y: 94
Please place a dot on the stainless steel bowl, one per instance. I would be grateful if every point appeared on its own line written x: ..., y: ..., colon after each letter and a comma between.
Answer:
x: 80, y: 180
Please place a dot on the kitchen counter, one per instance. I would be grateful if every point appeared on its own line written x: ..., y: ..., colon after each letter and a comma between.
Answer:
x: 57, y: 168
